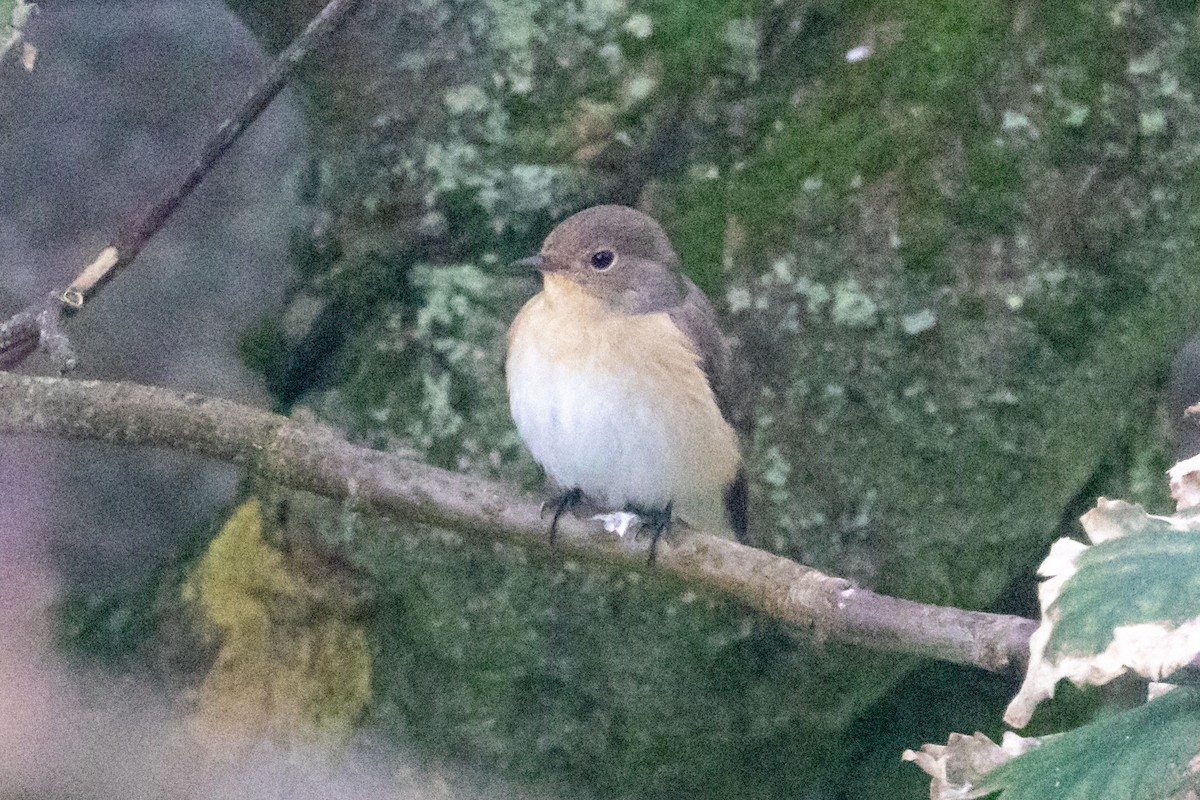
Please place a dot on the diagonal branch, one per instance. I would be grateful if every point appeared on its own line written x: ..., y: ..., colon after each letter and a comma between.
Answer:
x: 134, y: 235
x: 315, y: 458
x: 22, y: 334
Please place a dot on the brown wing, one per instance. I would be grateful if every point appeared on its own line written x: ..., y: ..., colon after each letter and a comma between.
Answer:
x: 697, y: 319
x: 694, y: 315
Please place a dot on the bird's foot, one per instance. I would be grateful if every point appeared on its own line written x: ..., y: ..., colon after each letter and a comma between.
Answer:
x: 658, y: 522
x: 561, y: 502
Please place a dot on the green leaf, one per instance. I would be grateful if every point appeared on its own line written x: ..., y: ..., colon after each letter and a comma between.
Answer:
x: 1146, y: 753
x: 1131, y: 601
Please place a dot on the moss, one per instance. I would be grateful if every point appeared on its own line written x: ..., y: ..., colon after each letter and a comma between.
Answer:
x: 432, y: 380
x: 992, y: 197
x: 619, y: 681
x: 696, y: 38
x: 958, y: 184
x: 948, y: 51
x: 894, y: 113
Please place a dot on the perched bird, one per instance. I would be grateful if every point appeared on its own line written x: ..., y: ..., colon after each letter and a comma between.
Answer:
x: 618, y: 376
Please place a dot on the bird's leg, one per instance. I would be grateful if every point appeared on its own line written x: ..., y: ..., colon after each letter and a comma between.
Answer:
x: 658, y: 522
x: 562, y: 501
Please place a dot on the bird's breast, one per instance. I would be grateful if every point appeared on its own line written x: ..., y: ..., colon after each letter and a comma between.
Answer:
x: 616, y: 404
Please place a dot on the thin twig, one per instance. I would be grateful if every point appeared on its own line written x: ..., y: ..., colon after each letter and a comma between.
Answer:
x: 316, y: 459
x: 21, y: 335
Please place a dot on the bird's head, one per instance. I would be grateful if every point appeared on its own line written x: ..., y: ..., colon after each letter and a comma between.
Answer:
x: 616, y: 254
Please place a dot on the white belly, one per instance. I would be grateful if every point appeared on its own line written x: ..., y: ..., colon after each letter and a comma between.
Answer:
x: 622, y: 413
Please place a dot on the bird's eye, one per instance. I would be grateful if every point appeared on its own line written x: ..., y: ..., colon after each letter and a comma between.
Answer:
x: 603, y: 259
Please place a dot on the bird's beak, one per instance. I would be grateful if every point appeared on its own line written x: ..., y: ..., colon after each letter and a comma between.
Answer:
x: 536, y: 262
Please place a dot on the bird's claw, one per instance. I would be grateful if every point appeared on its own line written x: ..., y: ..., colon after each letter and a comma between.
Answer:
x: 562, y: 502
x: 658, y: 522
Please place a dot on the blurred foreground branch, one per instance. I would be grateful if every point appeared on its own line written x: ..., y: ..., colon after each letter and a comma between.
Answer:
x: 317, y: 459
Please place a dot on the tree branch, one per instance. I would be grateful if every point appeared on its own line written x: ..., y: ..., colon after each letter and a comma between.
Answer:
x: 317, y: 459
x: 21, y: 335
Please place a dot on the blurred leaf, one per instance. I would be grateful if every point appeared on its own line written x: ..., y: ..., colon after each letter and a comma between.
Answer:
x: 1131, y: 601
x: 289, y: 665
x: 17, y: 12
x: 1147, y: 753
x: 958, y: 765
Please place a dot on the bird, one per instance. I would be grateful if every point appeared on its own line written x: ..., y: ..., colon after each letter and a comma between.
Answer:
x: 619, y: 382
